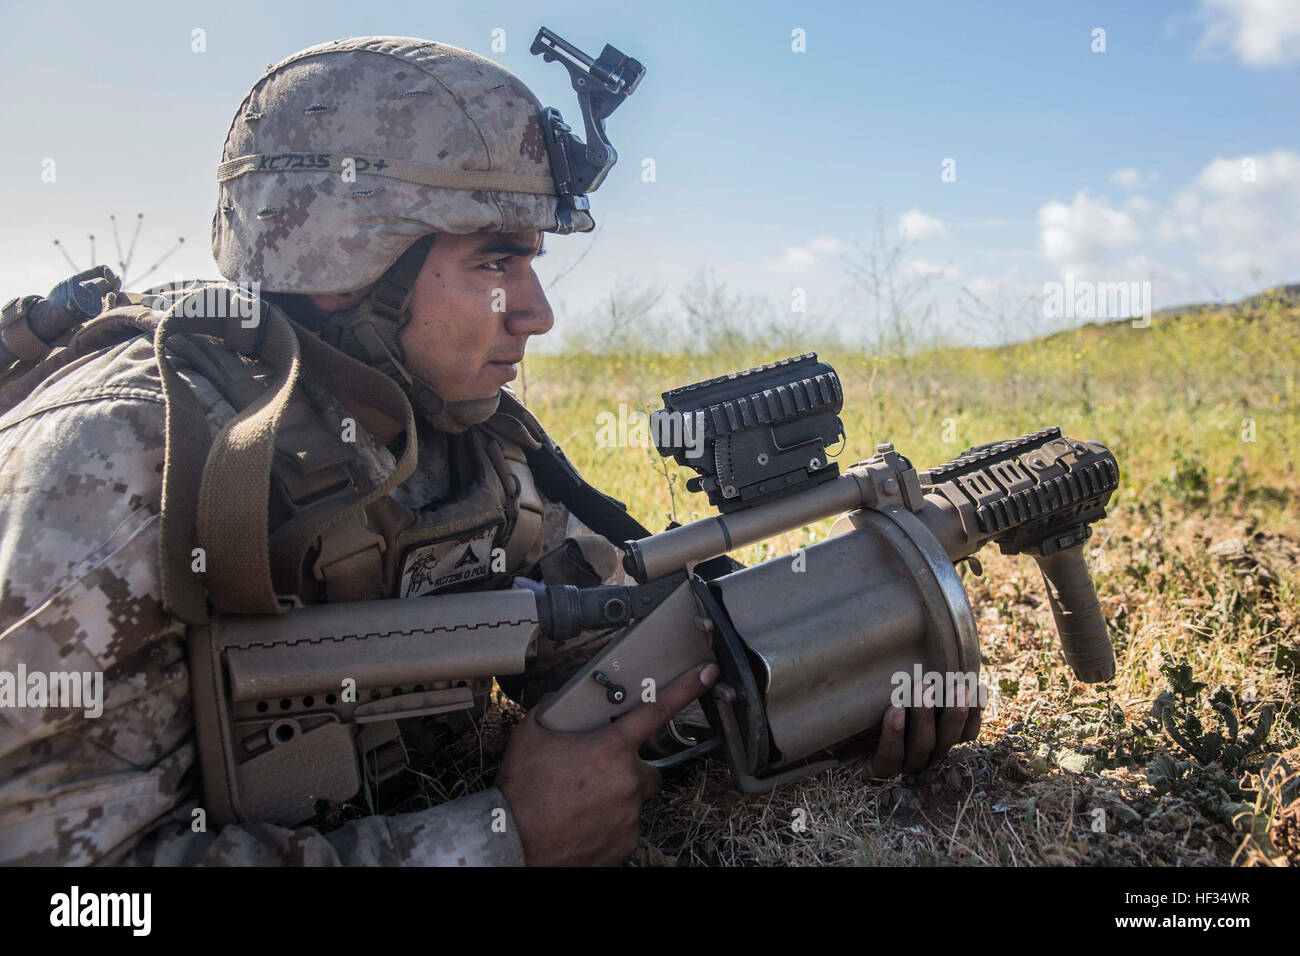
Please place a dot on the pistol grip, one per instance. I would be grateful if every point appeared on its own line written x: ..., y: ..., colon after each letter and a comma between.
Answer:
x: 672, y: 639
x: 1078, y: 615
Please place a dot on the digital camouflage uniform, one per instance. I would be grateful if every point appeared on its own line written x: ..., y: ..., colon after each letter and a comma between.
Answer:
x: 83, y: 463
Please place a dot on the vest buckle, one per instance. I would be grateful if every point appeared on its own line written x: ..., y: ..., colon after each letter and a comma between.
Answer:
x: 351, y: 563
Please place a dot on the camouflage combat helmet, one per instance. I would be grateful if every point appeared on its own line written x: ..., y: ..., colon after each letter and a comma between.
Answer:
x: 345, y: 159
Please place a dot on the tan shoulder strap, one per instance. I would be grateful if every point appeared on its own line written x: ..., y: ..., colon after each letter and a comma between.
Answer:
x: 192, y: 543
x: 515, y: 423
x: 228, y: 519
x: 347, y: 379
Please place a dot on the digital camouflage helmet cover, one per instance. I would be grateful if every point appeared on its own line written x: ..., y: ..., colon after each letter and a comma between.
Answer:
x: 346, y: 155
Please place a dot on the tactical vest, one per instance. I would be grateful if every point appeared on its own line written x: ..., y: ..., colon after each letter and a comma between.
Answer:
x: 484, y: 531
x: 483, y: 528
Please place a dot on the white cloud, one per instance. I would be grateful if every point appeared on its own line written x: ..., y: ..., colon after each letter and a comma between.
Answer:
x: 1139, y: 205
x: 826, y: 245
x: 795, y: 259
x: 915, y: 224
x: 921, y: 269
x: 983, y: 286
x: 988, y: 223
x: 1260, y: 32
x: 1076, y: 234
x: 798, y: 259
x: 1169, y: 283
x: 1238, y: 224
x: 1180, y: 223
x: 1130, y: 178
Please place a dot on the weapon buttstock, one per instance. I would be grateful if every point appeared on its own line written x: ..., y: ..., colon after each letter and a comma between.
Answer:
x: 1078, y: 615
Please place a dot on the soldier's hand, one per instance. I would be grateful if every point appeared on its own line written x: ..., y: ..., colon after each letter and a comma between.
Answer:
x: 576, y: 798
x: 921, y: 743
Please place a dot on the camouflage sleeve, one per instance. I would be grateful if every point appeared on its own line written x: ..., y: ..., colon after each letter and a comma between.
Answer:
x: 475, y: 830
x: 560, y: 526
x: 110, y: 775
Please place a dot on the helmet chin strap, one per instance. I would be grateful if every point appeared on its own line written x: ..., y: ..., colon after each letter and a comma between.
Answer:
x: 370, y: 332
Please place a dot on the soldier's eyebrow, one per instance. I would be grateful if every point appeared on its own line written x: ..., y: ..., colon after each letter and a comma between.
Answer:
x: 505, y: 245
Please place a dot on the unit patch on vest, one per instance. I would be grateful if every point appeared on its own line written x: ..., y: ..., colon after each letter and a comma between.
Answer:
x: 447, y: 563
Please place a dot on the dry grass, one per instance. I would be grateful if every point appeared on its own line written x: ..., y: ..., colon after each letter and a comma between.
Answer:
x: 1197, y: 565
x: 1052, y: 751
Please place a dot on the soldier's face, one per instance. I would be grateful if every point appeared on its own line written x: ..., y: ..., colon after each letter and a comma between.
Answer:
x: 474, y: 305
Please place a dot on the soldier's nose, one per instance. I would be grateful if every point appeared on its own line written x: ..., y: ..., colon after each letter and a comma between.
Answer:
x: 531, y: 314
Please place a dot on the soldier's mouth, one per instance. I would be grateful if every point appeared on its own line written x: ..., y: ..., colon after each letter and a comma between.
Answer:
x: 506, y: 367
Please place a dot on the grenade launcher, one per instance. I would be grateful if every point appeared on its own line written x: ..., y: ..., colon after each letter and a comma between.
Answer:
x: 810, y: 645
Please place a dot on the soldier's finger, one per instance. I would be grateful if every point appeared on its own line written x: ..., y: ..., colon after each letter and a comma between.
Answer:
x: 643, y: 720
x: 887, y: 759
x: 972, y: 728
x: 920, y: 739
x: 651, y: 780
x: 951, y: 724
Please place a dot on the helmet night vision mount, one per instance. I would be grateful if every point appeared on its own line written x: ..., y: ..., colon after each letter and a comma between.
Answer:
x: 602, y: 85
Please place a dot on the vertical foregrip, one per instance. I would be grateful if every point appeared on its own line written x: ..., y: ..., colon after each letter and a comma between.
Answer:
x: 1079, y: 620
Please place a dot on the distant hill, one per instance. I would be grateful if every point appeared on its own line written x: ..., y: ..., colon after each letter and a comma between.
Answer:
x: 1286, y: 294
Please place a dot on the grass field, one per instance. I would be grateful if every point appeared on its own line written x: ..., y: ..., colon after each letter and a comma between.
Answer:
x: 1196, y: 568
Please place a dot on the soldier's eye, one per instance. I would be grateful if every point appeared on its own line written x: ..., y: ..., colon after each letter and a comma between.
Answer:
x: 496, y: 265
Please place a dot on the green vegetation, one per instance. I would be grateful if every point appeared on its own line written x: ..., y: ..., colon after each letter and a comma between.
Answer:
x: 1200, y: 409
x: 1186, y: 757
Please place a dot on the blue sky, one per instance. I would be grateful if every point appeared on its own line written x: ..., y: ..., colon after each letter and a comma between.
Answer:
x: 770, y: 164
